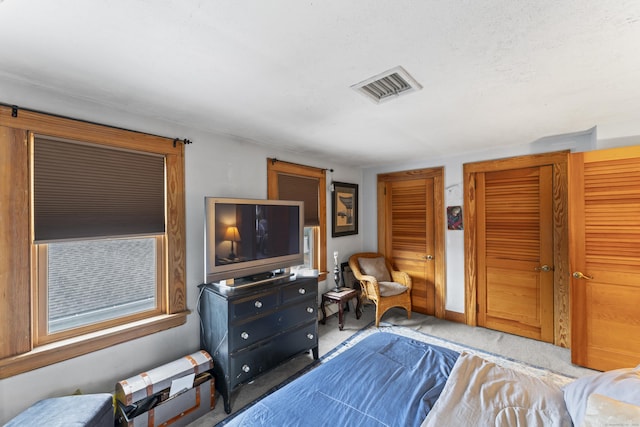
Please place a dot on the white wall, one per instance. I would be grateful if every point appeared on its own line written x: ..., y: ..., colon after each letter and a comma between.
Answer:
x: 215, y: 166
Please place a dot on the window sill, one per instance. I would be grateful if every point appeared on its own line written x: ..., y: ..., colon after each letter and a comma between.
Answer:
x: 66, y: 349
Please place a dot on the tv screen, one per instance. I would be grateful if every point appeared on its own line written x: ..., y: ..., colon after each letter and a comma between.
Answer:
x: 247, y: 238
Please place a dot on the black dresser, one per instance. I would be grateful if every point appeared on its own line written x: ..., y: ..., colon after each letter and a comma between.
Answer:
x: 250, y: 330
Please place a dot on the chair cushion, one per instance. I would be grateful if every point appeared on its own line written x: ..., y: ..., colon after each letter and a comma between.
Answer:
x: 375, y: 267
x: 94, y: 410
x: 389, y: 289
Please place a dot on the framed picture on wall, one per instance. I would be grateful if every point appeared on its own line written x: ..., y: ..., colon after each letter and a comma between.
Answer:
x: 454, y: 217
x: 344, y: 209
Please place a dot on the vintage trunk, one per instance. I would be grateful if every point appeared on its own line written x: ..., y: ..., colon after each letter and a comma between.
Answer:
x: 173, y: 394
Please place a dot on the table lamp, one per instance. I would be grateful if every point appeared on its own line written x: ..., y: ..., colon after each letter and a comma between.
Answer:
x: 233, y: 235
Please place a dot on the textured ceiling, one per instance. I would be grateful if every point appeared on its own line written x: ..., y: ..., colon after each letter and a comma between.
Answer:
x: 278, y: 72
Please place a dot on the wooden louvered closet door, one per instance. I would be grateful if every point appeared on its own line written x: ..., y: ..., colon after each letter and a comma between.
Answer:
x: 410, y: 241
x: 411, y: 232
x: 605, y: 258
x: 515, y: 251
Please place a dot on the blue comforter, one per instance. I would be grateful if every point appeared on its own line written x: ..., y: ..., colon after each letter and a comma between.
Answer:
x: 384, y: 380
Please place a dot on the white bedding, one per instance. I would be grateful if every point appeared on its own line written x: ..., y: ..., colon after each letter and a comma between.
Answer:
x: 482, y: 393
x: 621, y: 385
x: 605, y: 411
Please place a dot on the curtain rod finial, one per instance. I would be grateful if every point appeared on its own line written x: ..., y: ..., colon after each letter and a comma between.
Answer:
x: 185, y: 141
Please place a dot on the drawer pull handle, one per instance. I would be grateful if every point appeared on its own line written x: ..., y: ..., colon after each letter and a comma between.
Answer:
x: 310, y: 336
x: 246, y: 368
x: 258, y: 304
x: 244, y: 335
x: 309, y: 309
x: 302, y: 291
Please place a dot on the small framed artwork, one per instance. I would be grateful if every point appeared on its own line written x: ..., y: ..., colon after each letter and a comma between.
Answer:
x: 454, y: 217
x: 344, y: 209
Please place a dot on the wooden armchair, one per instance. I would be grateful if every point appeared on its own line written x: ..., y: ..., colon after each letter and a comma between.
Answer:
x: 380, y: 283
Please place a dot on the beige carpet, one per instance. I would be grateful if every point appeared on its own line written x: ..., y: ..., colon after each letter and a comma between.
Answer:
x: 529, y: 351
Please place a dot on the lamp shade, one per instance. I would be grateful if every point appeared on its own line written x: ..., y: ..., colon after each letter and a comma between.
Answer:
x: 232, y: 234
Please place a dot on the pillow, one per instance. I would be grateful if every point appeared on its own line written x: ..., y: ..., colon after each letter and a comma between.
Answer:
x: 620, y: 384
x: 604, y: 411
x: 389, y: 289
x: 481, y: 393
x: 375, y: 267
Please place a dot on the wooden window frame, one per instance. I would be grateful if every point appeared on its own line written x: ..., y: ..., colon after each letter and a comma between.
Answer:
x: 275, y: 167
x: 19, y: 352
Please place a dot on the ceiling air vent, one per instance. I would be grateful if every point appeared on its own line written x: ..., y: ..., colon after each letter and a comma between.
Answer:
x: 388, y: 85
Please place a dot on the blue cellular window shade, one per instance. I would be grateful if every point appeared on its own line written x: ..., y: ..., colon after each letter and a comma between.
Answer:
x: 88, y: 191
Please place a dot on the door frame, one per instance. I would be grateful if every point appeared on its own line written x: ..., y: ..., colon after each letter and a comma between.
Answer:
x: 561, y: 275
x: 437, y: 173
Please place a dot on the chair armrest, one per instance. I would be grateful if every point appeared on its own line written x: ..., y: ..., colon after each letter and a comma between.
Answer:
x: 371, y: 285
x: 401, y: 277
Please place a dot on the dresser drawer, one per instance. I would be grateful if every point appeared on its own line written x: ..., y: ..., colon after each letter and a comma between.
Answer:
x: 244, y: 334
x: 253, y: 305
x: 301, y: 289
x: 303, y: 311
x: 250, y: 362
x: 303, y: 338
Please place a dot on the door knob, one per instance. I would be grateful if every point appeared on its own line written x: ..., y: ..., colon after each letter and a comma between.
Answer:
x: 544, y: 268
x: 579, y: 275
x: 428, y: 257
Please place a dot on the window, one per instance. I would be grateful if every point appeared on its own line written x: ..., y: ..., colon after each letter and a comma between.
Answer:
x: 289, y: 181
x: 86, y: 198
x: 90, y: 284
x: 95, y: 238
x: 309, y: 247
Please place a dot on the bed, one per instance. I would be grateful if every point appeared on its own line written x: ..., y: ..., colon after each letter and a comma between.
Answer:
x: 393, y: 380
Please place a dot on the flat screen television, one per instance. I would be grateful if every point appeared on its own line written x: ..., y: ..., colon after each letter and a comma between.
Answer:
x: 248, y: 239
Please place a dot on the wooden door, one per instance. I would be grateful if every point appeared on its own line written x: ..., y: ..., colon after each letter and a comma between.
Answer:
x: 605, y: 258
x: 515, y: 251
x: 411, y: 234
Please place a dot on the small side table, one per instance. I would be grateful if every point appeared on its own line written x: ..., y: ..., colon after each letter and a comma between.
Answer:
x: 341, y: 297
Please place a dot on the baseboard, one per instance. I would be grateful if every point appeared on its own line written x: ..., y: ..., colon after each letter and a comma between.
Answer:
x: 454, y: 316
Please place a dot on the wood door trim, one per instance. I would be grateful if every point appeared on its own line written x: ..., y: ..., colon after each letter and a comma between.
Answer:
x: 576, y: 162
x: 437, y: 174
x: 15, y: 316
x: 547, y: 314
x: 559, y: 161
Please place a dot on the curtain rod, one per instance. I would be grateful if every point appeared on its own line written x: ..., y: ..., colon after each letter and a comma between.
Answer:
x: 15, y: 109
x: 274, y: 160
